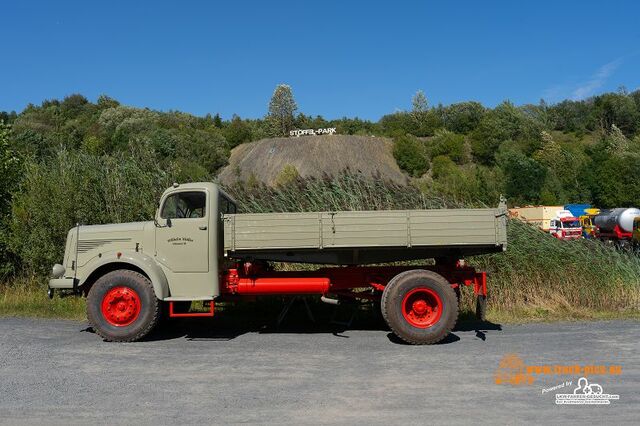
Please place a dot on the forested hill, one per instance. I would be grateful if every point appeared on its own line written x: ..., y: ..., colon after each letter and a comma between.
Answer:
x: 72, y: 160
x: 587, y: 151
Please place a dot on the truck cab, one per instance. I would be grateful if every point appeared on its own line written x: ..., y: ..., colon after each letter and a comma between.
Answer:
x: 589, y: 228
x: 566, y: 228
x: 175, y: 250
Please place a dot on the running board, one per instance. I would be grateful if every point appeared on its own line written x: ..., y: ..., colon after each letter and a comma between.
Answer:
x: 173, y: 314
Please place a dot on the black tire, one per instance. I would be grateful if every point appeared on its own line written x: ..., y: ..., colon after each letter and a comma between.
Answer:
x: 481, y: 307
x: 392, y: 310
x: 148, y: 306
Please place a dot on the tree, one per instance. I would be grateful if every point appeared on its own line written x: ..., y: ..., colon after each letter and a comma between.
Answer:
x: 463, y: 117
x: 411, y: 155
x: 524, y: 177
x: 450, y: 144
x: 217, y: 121
x: 617, y: 142
x: 505, y: 122
x: 618, y: 109
x: 9, y: 170
x: 238, y: 132
x: 616, y: 182
x: 282, y: 108
x: 419, y: 105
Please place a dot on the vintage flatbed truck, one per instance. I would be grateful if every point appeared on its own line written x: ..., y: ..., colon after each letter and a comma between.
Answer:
x: 198, y: 248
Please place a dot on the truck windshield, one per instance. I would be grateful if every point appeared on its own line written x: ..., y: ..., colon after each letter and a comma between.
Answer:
x: 184, y: 205
x: 571, y: 224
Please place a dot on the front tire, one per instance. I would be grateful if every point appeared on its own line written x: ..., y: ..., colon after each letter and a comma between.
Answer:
x: 420, y: 307
x: 122, y: 306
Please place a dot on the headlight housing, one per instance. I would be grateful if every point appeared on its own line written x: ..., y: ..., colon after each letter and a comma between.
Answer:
x: 58, y: 270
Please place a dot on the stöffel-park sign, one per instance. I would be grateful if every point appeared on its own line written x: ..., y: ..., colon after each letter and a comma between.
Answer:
x: 310, y: 132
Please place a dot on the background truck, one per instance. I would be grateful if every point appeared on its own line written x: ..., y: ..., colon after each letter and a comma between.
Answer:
x: 616, y: 225
x: 541, y: 216
x: 198, y: 248
x: 555, y: 220
x: 586, y: 220
x: 584, y: 213
x: 565, y: 226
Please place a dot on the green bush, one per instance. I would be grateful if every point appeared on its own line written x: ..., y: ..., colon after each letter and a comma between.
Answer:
x: 411, y: 155
x: 288, y: 175
x: 450, y: 144
x: 76, y: 187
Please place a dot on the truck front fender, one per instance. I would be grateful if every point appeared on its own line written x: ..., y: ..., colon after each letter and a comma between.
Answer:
x: 110, y: 261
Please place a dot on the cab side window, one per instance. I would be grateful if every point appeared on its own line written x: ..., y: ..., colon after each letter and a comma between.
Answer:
x: 226, y: 206
x: 184, y: 205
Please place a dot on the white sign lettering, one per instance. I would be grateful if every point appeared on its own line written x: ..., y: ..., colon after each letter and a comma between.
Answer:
x: 311, y: 132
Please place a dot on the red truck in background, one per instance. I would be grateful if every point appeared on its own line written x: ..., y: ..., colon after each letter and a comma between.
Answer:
x: 565, y: 226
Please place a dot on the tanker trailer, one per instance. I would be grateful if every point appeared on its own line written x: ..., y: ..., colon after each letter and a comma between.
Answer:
x: 615, y: 224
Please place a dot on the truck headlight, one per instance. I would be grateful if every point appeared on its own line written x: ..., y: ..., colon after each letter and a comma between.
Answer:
x: 58, y: 270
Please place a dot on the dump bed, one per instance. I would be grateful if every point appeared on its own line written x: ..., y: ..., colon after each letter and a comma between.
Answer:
x: 361, y: 237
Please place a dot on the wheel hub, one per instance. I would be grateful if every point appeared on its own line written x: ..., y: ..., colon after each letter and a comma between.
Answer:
x: 121, y: 306
x: 422, y: 307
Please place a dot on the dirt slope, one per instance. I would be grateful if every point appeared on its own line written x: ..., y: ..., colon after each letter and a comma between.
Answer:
x: 312, y: 156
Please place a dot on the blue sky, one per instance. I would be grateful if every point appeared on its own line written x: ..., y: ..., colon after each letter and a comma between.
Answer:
x: 342, y: 58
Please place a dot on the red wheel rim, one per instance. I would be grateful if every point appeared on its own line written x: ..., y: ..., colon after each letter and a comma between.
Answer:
x: 422, y: 307
x: 121, y: 306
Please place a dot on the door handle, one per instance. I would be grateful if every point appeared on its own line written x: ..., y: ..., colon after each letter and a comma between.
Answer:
x: 202, y: 227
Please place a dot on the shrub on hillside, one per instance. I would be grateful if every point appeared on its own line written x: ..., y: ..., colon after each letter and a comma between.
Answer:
x: 411, y: 155
x: 450, y: 144
x: 287, y: 176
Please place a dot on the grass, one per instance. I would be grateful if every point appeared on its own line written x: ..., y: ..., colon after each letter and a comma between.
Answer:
x: 27, y: 297
x: 541, y: 276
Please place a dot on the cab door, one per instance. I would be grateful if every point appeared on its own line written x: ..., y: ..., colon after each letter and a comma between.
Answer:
x: 182, y: 237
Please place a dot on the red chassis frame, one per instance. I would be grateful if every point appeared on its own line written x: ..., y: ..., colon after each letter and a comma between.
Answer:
x: 249, y: 279
x: 617, y: 233
x: 254, y: 279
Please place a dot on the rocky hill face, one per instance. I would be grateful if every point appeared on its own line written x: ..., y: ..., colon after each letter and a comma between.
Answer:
x: 265, y: 159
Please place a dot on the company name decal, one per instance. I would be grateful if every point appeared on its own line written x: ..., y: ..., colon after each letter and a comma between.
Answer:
x: 180, y: 241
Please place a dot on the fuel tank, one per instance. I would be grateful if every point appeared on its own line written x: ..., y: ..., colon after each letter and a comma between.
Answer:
x: 607, y: 220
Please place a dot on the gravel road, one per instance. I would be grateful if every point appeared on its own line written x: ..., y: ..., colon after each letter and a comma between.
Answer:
x: 198, y: 371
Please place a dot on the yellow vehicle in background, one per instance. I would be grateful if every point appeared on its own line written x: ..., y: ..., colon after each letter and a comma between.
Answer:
x: 635, y: 239
x: 586, y: 220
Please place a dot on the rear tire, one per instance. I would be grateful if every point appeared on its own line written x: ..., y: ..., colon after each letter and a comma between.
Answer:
x: 420, y: 307
x: 122, y: 306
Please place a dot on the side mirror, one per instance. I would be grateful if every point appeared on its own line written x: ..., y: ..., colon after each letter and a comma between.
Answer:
x: 169, y: 222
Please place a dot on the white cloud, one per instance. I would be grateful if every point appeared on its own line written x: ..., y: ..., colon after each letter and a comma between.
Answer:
x: 596, y: 81
x: 581, y: 90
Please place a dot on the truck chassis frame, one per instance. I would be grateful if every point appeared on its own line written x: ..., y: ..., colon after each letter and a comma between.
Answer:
x: 368, y: 283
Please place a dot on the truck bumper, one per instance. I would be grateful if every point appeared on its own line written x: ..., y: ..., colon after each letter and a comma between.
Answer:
x: 61, y: 283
